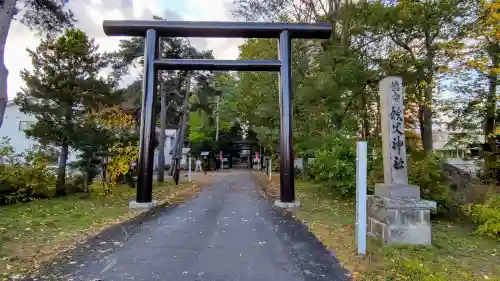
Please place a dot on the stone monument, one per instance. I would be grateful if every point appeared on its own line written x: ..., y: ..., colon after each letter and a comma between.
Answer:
x: 396, y: 213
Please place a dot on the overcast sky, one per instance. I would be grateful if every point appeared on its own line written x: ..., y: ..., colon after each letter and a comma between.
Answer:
x: 91, y: 13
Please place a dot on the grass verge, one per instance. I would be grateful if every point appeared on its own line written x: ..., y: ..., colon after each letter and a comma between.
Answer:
x: 34, y: 233
x: 455, y: 254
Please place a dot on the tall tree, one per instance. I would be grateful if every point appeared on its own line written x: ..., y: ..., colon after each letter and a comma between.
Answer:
x: 42, y: 15
x: 172, y: 101
x: 484, y: 59
x: 62, y: 88
x: 428, y: 35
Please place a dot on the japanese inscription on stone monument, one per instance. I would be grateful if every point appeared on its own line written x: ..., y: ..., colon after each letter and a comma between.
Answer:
x: 393, y: 138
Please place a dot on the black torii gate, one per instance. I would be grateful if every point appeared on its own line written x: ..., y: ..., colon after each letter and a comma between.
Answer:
x: 154, y: 29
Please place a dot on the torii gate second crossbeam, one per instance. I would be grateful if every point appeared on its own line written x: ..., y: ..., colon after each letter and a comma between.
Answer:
x: 154, y: 29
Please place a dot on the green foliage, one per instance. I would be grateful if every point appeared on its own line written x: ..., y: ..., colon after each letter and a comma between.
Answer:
x: 171, y: 83
x: 424, y: 171
x: 412, y: 269
x: 24, y: 177
x: 198, y: 129
x: 46, y: 15
x: 335, y: 165
x: 486, y: 216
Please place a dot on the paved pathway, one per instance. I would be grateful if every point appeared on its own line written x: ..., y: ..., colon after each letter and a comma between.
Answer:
x: 227, y: 233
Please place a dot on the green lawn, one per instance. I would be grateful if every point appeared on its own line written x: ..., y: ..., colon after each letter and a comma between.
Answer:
x: 34, y: 232
x: 456, y: 253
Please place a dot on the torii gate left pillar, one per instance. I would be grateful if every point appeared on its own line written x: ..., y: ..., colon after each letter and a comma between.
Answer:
x: 152, y: 30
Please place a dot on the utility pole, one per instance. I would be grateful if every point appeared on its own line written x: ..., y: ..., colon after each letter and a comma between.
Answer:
x: 181, y: 133
x: 163, y: 128
x: 217, y: 130
x: 217, y: 120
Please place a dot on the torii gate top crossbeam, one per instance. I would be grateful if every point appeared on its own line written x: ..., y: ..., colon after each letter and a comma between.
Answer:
x: 216, y: 29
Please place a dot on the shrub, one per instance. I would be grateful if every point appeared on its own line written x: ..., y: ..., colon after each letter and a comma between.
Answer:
x: 335, y: 165
x: 299, y: 173
x: 23, y: 177
x: 412, y: 269
x: 486, y: 216
x: 77, y: 183
x: 425, y: 172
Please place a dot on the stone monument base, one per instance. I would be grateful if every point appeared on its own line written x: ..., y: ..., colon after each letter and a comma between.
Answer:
x: 395, y: 190
x: 400, y: 220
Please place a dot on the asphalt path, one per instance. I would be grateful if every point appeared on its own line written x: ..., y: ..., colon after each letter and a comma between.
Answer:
x: 228, y: 232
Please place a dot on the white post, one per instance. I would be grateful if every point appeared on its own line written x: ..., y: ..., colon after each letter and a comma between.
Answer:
x: 189, y: 169
x: 361, y: 195
x: 270, y: 168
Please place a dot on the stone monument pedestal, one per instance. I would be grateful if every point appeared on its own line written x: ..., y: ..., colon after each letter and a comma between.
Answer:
x: 397, y: 215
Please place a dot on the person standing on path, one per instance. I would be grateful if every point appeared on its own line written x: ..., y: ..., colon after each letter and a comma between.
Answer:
x: 205, y: 165
x: 130, y: 175
x: 198, y: 165
x: 217, y: 164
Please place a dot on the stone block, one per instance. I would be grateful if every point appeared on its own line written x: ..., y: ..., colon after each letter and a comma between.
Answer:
x: 380, y: 213
x: 418, y: 234
x: 369, y: 226
x: 425, y: 217
x: 410, y: 216
x: 377, y: 229
x: 401, y: 203
x: 401, y: 221
x: 409, y: 203
x: 397, y: 191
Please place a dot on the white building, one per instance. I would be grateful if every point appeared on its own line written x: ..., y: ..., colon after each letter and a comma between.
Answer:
x: 170, y: 135
x: 441, y: 138
x: 15, y: 122
x: 456, y: 155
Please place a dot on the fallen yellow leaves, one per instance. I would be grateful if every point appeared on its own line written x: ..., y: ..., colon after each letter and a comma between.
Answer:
x: 34, y: 233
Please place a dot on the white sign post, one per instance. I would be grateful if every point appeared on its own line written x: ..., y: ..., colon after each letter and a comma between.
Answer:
x: 189, y: 169
x: 361, y: 195
x: 270, y: 168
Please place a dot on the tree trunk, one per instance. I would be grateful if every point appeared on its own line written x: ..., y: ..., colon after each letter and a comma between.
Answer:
x: 174, y: 149
x: 163, y: 127
x: 61, y: 170
x: 183, y: 126
x: 489, y: 122
x: 425, y: 118
x: 490, y: 118
x: 7, y: 12
x: 365, y: 125
x: 378, y: 124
